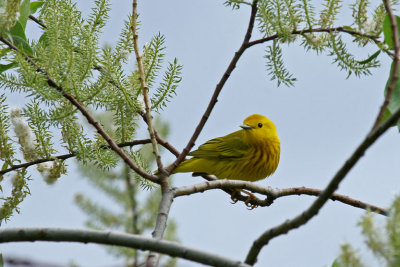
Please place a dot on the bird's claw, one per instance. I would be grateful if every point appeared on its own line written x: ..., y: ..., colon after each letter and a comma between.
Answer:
x: 248, y: 200
x: 233, y: 196
x: 249, y: 205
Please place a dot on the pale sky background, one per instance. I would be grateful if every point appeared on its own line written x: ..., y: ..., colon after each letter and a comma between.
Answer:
x: 320, y: 121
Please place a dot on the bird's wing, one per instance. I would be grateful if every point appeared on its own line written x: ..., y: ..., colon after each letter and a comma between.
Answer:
x: 229, y: 146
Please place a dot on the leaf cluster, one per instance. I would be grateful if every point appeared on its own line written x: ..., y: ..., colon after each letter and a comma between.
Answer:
x: 18, y: 193
x: 100, y: 78
x: 285, y: 21
x: 383, y: 243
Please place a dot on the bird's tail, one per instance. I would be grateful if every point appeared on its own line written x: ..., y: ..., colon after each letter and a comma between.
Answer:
x: 185, y: 166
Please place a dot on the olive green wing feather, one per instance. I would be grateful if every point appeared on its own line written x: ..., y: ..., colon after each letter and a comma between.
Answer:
x: 229, y: 146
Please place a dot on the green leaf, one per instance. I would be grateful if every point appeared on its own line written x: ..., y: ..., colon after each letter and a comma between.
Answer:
x: 369, y: 59
x: 5, y: 166
x: 35, y: 6
x: 4, y: 67
x: 386, y: 116
x: 387, y: 30
x: 348, y: 28
x: 394, y: 103
x: 24, y: 12
x: 4, y: 52
x: 18, y: 30
x: 22, y: 44
x: 336, y: 262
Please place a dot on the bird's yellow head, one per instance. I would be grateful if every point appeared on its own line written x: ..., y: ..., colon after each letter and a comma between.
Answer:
x: 259, y: 128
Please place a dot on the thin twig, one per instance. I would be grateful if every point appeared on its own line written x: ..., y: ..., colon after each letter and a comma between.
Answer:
x: 145, y: 89
x: 375, y: 39
x: 218, y: 88
x: 131, y: 188
x: 24, y: 261
x: 88, y: 116
x: 335, y: 197
x: 166, y: 144
x: 395, y: 68
x: 160, y: 140
x: 271, y: 193
x: 116, y: 239
x: 313, y: 210
x: 37, y: 21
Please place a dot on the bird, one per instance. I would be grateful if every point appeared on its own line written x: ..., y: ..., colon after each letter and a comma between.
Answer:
x: 249, y: 154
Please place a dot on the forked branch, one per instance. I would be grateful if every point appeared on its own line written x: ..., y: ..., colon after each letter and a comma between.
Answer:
x: 313, y: 210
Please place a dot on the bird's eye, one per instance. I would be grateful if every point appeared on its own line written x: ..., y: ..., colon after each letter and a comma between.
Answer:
x: 260, y: 125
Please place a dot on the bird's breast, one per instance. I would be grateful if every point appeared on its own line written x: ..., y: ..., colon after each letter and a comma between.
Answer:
x: 262, y: 161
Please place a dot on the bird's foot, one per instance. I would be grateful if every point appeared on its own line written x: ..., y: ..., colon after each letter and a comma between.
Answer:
x: 250, y: 197
x: 248, y: 200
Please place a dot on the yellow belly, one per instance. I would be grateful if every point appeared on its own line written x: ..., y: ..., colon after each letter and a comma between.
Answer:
x: 254, y: 167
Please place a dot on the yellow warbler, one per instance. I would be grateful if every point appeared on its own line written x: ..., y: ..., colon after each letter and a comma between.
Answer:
x: 250, y: 154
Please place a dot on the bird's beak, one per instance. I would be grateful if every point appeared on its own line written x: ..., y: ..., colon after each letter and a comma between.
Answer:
x: 246, y: 127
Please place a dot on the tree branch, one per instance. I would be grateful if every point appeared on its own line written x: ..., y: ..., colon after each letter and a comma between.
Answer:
x: 218, y: 88
x: 161, y: 223
x: 37, y: 21
x: 271, y: 193
x: 67, y: 156
x: 116, y: 239
x: 375, y: 39
x: 395, y: 68
x: 24, y: 261
x: 375, y: 133
x: 88, y: 116
x: 313, y: 210
x: 335, y: 197
x: 145, y: 89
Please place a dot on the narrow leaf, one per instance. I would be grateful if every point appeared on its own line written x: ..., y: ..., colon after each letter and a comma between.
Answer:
x: 35, y: 6
x: 4, y: 67
x: 5, y: 166
x: 21, y: 43
x: 18, y: 30
x: 394, y: 103
x: 369, y: 59
x: 387, y: 30
x: 24, y: 12
x: 348, y: 28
